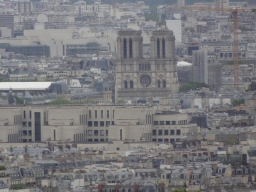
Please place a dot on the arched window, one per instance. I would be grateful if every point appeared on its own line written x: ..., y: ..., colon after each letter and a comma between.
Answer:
x: 163, y: 48
x: 125, y: 84
x: 131, y: 84
x: 125, y: 49
x: 164, y: 84
x: 159, y: 84
x: 130, y: 48
x: 158, y: 48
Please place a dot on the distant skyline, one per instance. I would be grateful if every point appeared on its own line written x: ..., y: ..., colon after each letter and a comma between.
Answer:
x: 161, y: 2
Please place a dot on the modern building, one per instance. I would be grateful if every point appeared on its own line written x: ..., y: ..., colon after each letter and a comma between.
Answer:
x: 200, y: 66
x: 28, y: 50
x: 7, y: 20
x: 214, y: 73
x: 138, y: 77
x: 24, y: 7
x: 95, y: 123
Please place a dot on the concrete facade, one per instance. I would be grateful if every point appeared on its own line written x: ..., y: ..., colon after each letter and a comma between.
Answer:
x: 91, y: 124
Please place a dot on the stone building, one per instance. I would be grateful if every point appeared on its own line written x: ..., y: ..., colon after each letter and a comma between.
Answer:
x: 93, y: 123
x: 138, y: 77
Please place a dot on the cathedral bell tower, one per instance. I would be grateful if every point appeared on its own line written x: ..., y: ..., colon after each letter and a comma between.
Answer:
x: 137, y: 77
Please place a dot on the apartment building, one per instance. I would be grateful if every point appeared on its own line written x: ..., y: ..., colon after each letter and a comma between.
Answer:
x: 95, y: 123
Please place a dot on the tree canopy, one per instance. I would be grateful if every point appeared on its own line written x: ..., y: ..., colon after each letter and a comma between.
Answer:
x: 237, y: 102
x: 191, y: 86
x: 60, y: 101
x: 252, y: 87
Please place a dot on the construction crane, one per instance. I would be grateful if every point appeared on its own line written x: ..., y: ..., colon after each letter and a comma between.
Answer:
x: 234, y: 12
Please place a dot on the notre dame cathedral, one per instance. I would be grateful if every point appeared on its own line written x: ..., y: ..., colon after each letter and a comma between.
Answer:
x: 138, y: 77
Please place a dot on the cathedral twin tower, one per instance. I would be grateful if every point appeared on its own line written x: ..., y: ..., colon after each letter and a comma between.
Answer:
x: 145, y: 77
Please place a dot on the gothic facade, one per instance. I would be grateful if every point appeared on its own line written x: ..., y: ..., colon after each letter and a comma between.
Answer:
x: 138, y: 77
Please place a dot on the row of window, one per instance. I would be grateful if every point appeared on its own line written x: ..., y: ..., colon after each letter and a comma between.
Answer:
x: 165, y: 140
x: 101, y: 114
x: 25, y: 124
x: 99, y: 123
x: 166, y: 132
x: 160, y: 84
x: 145, y: 67
x: 24, y: 114
x: 97, y: 133
x: 182, y: 122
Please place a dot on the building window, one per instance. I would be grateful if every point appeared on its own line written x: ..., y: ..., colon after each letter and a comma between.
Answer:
x: 173, y: 122
x: 121, y: 134
x: 130, y: 48
x: 155, y: 122
x: 166, y: 132
x: 113, y: 122
x: 54, y: 135
x: 164, y: 84
x: 89, y: 123
x: 149, y: 67
x: 125, y: 84
x: 158, y: 83
x: 168, y: 123
x: 102, y: 132
x: 178, y: 132
x: 113, y: 114
x: 125, y: 49
x: 29, y: 123
x: 163, y: 47
x: 102, y: 123
x: 107, y: 113
x: 30, y: 114
x: 95, y: 132
x: 160, y: 140
x: 90, y: 114
x: 89, y: 132
x: 101, y: 113
x: 24, y: 114
x: 172, y: 132
x: 106, y: 132
x: 154, y: 132
x: 96, y: 114
x: 131, y: 84
x: 96, y: 123
x: 160, y: 132
x: 161, y: 122
x: 139, y: 67
x: 158, y: 48
x: 107, y: 123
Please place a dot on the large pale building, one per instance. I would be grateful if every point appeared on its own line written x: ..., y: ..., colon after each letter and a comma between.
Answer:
x: 138, y: 77
x: 93, y: 124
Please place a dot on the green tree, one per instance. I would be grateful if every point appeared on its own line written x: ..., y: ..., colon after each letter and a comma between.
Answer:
x: 180, y: 190
x: 231, y: 62
x: 237, y: 102
x: 191, y: 86
x: 252, y: 87
x: 19, y: 101
x: 60, y: 101
x: 2, y: 167
x: 19, y: 186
